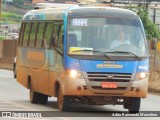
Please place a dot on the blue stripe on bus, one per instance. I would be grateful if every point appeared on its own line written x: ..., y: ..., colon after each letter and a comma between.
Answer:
x: 101, y: 66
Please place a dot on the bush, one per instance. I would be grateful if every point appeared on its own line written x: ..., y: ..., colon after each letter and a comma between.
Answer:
x: 2, y: 38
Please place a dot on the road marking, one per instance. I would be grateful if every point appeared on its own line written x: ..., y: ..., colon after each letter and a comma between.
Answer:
x: 9, y: 106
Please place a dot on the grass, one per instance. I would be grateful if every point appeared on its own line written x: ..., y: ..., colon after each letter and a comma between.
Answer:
x: 11, y: 18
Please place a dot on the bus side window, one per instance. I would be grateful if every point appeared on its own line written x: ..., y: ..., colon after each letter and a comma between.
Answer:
x: 52, y: 41
x: 60, y: 40
x: 20, y: 40
x: 40, y: 34
x: 33, y: 34
x: 48, y: 33
x: 26, y: 34
x: 54, y: 37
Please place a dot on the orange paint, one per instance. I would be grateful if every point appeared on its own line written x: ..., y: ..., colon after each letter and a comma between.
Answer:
x: 35, y: 55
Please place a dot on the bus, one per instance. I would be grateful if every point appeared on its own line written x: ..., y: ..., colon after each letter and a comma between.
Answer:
x: 65, y: 52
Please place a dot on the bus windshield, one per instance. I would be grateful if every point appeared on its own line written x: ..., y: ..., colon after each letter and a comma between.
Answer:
x: 110, y: 35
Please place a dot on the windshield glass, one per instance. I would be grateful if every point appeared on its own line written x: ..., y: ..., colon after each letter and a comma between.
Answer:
x: 113, y: 36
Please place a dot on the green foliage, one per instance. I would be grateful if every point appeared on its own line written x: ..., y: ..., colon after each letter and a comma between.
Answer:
x: 2, y: 38
x: 150, y: 28
x: 11, y: 17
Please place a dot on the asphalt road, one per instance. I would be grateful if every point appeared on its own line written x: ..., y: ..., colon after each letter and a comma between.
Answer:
x: 15, y: 98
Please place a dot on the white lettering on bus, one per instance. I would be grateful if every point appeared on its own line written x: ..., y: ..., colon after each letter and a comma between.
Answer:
x: 80, y: 22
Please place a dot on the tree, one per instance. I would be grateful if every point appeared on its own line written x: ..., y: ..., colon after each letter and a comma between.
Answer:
x: 150, y: 28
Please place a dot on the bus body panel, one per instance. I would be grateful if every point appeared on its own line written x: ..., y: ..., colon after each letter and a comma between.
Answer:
x: 33, y: 64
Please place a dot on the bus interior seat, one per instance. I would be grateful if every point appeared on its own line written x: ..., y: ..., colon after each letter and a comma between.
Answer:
x: 72, y: 40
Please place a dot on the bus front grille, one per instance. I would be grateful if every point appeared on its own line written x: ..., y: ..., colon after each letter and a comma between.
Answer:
x: 98, y: 78
x: 100, y: 88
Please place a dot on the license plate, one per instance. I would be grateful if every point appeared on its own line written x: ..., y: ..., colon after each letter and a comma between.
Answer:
x: 108, y: 85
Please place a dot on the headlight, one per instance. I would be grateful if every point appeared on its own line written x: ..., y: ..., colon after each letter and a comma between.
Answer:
x: 142, y: 75
x: 75, y: 74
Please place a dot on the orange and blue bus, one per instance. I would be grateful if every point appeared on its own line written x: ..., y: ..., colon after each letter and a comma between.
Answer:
x: 65, y: 51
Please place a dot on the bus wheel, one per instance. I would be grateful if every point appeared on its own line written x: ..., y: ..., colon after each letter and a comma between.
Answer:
x: 14, y: 71
x: 43, y: 99
x: 34, y: 96
x: 63, y: 101
x: 133, y: 105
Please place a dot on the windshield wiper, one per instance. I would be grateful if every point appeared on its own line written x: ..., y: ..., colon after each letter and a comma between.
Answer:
x: 126, y: 52
x: 93, y: 51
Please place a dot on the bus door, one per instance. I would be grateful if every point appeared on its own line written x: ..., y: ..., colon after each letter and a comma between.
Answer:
x: 56, y: 56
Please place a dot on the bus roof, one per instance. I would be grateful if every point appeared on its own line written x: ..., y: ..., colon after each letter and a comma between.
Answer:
x: 53, y: 5
x: 59, y: 11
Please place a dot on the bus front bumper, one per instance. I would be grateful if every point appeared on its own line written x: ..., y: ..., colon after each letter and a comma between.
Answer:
x: 79, y: 87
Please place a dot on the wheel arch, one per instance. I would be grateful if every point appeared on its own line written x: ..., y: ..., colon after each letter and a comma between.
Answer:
x: 57, y: 86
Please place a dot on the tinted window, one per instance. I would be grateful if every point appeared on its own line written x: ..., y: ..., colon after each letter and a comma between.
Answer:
x: 55, y: 35
x: 26, y: 34
x: 60, y: 41
x: 20, y: 42
x: 48, y: 32
x: 40, y: 34
x: 33, y: 34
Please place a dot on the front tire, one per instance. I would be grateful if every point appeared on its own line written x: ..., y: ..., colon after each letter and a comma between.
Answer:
x: 14, y: 70
x: 63, y: 101
x: 133, y: 105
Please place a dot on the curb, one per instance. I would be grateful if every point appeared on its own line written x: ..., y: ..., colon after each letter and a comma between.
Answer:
x: 153, y: 90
